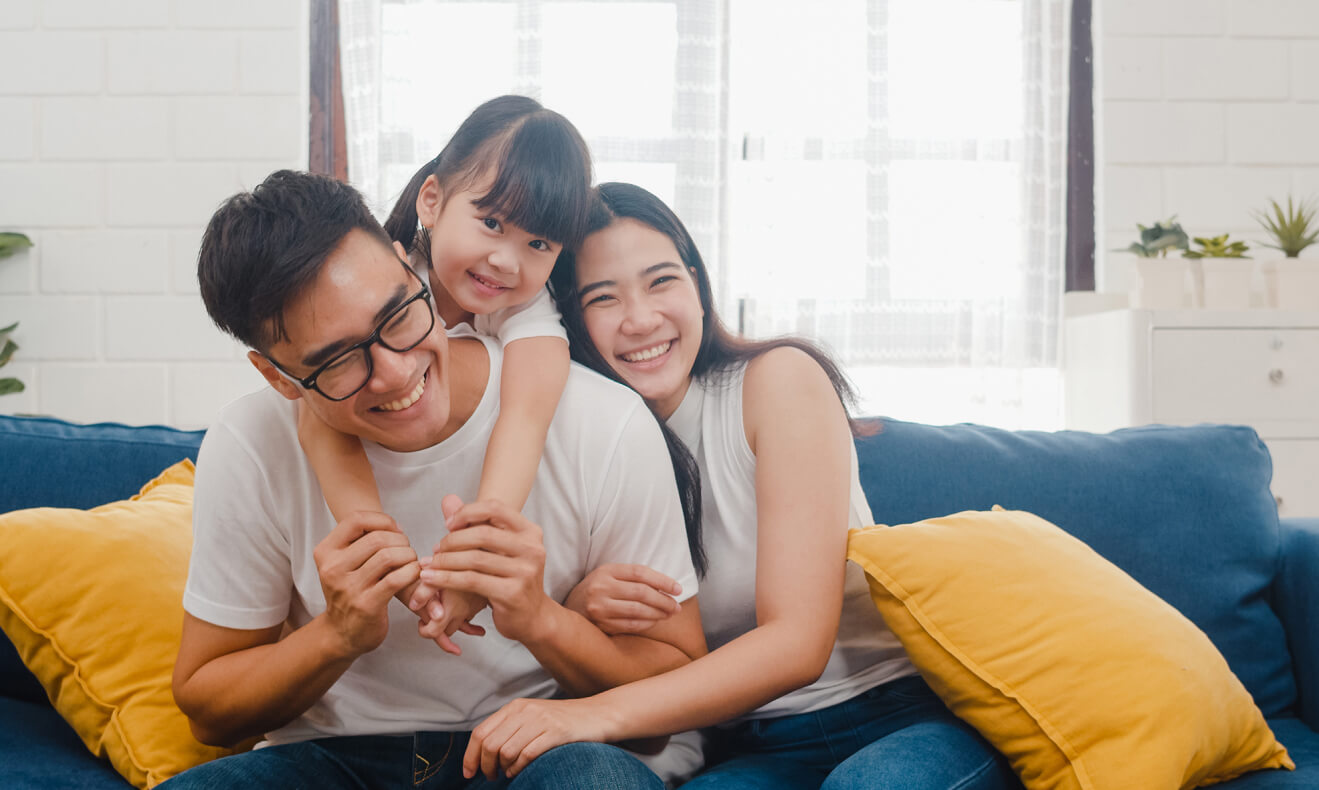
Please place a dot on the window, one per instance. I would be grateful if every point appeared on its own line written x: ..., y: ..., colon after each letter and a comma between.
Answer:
x: 884, y: 176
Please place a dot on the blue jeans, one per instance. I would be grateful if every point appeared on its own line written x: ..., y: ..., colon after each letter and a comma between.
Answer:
x: 897, y: 735
x: 423, y: 761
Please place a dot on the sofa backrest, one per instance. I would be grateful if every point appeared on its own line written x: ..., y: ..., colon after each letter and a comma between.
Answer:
x: 53, y: 463
x: 1185, y: 511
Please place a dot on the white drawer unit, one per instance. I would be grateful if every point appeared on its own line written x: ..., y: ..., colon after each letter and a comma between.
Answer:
x: 1181, y: 367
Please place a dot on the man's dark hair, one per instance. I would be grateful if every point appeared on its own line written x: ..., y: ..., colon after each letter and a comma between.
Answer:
x: 263, y: 247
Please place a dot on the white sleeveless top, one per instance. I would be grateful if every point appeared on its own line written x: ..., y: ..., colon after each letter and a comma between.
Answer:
x: 866, y: 653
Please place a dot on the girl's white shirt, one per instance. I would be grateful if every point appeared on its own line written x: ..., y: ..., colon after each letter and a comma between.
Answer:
x: 866, y: 653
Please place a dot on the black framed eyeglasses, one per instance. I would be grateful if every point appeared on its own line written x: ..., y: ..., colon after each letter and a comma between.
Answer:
x: 348, y: 371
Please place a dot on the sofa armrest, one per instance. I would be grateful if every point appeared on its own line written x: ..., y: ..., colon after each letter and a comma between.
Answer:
x: 1296, y: 598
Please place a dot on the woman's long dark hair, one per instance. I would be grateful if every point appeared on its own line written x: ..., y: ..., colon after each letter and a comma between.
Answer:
x: 720, y: 349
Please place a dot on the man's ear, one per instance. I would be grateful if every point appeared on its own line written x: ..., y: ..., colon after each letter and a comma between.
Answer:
x: 430, y: 199
x: 273, y: 377
x: 402, y: 253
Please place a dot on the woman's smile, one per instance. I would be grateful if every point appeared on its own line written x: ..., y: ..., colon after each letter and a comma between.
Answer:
x: 641, y: 309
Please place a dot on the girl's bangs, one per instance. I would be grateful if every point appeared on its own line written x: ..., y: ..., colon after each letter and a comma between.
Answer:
x: 542, y: 182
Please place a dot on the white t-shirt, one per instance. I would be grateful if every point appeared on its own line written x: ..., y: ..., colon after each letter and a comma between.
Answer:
x: 866, y: 653
x: 604, y: 493
x: 537, y: 317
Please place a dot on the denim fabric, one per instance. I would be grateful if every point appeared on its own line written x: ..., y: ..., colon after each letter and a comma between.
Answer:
x: 895, y: 735
x: 1186, y: 511
x: 423, y: 761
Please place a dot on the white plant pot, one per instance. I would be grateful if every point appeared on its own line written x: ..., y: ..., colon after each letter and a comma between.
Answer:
x: 1160, y: 284
x: 1293, y: 284
x: 1225, y: 283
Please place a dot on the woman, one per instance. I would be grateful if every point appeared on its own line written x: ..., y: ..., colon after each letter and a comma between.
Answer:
x: 807, y: 683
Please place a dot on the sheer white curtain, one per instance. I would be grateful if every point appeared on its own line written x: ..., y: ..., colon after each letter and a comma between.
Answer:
x: 885, y: 176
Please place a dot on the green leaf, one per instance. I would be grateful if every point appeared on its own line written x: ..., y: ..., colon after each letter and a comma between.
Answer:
x: 7, y: 352
x: 9, y: 328
x: 1138, y: 249
x: 11, y: 243
x: 10, y: 386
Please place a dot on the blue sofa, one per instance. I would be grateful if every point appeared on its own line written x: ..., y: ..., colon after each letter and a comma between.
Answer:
x: 1186, y: 511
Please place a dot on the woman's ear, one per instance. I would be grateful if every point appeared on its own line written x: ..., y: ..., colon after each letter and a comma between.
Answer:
x: 430, y: 199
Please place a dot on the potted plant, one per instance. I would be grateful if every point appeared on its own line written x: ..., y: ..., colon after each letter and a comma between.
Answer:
x: 1222, y: 279
x: 1290, y: 283
x: 10, y: 243
x: 1160, y: 281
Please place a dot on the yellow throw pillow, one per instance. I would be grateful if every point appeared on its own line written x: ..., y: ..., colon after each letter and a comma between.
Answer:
x: 1080, y: 676
x: 93, y: 600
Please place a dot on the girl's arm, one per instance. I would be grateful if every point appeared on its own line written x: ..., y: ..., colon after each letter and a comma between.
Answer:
x: 798, y: 431
x: 340, y: 465
x: 349, y: 486
x: 533, y: 374
x: 532, y: 377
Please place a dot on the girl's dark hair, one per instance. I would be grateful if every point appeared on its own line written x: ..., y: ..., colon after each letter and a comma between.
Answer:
x: 720, y: 349
x: 540, y: 166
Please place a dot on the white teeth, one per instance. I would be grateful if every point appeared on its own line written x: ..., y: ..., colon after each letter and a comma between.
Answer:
x: 403, y: 403
x: 489, y: 283
x: 649, y: 353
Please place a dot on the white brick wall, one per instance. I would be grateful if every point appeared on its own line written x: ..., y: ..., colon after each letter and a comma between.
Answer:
x: 1206, y: 109
x: 126, y: 123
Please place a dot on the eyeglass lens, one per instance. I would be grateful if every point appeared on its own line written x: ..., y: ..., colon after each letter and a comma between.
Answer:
x: 349, y: 373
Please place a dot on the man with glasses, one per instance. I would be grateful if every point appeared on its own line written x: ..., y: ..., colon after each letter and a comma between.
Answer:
x: 290, y: 632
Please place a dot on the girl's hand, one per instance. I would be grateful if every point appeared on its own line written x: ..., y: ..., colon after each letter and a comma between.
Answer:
x: 625, y: 599
x: 524, y: 729
x: 455, y: 611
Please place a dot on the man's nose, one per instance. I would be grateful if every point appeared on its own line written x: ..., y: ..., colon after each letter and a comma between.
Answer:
x: 389, y: 369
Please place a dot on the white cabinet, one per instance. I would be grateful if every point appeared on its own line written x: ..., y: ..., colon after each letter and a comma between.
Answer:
x: 1181, y: 367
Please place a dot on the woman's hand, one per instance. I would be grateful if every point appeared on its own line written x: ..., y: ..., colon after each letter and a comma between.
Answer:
x: 524, y: 729
x: 625, y: 599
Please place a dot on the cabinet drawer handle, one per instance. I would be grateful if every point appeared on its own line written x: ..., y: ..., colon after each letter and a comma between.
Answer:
x: 1275, y: 375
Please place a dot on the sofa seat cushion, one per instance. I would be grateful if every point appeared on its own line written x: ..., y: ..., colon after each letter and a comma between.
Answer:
x: 1303, y: 746
x: 1187, y: 512
x: 39, y: 751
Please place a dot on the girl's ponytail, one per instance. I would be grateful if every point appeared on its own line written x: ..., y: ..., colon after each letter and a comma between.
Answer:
x: 402, y: 222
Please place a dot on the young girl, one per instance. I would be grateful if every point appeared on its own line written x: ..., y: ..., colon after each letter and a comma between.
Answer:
x: 484, y: 221
x: 807, y: 685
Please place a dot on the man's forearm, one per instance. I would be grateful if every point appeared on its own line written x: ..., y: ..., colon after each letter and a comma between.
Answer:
x: 256, y: 690
x: 584, y: 660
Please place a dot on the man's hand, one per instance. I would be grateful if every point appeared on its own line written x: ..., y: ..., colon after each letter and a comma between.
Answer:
x: 625, y: 599
x: 494, y: 552
x: 364, y: 561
